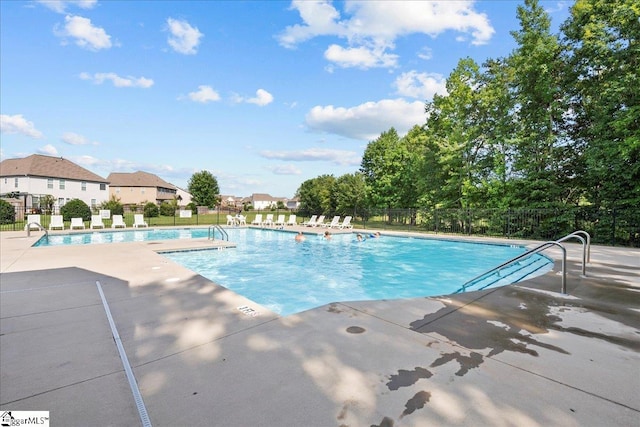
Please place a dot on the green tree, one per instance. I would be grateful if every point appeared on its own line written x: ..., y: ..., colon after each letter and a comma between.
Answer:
x: 75, y: 208
x: 47, y: 201
x: 543, y: 149
x: 204, y: 189
x: 7, y: 212
x: 602, y: 38
x: 114, y: 205
x: 315, y: 195
x: 348, y: 195
x: 151, y: 210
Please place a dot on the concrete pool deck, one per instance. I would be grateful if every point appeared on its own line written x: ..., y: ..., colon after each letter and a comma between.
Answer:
x: 521, y: 355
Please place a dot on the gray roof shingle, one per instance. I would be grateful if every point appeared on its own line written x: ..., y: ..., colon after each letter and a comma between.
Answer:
x: 47, y: 167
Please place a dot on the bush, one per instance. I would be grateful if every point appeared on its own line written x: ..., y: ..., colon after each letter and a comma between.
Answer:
x: 151, y: 210
x: 7, y: 213
x: 113, y: 205
x: 76, y: 208
x: 167, y: 209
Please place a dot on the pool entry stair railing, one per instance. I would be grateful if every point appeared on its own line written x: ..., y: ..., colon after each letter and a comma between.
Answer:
x: 516, y: 265
x: 212, y: 233
x: 46, y: 233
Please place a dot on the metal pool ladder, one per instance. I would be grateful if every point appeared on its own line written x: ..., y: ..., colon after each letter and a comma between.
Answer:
x: 46, y: 233
x: 586, y: 254
x: 212, y: 233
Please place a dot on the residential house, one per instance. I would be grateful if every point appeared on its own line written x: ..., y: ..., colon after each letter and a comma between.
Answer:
x: 33, y: 177
x: 261, y: 201
x: 183, y: 196
x: 139, y: 188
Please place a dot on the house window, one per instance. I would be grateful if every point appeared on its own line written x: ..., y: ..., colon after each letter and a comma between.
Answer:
x: 93, y: 203
x: 103, y: 186
x: 142, y: 190
x: 50, y: 183
x: 62, y: 184
x: 83, y: 186
x: 15, y: 182
x: 117, y: 190
x: 60, y: 202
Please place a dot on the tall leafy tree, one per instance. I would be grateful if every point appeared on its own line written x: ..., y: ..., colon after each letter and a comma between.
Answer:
x: 315, y: 195
x: 603, y: 41
x: 204, y: 189
x: 539, y: 108
x: 453, y: 123
x: 348, y: 195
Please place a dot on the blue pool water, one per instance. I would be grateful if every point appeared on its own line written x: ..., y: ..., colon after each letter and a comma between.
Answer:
x: 123, y: 236
x: 288, y: 277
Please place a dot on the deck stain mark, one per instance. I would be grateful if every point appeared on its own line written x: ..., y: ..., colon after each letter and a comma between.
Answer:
x: 407, y: 378
x: 416, y: 402
x: 466, y: 362
x: 355, y: 330
x: 386, y: 422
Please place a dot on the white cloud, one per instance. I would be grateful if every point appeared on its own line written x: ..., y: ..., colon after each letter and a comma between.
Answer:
x: 60, y: 6
x: 368, y: 120
x: 360, y: 57
x: 370, y: 28
x: 285, y: 170
x: 420, y: 85
x: 85, y: 34
x: 204, y: 94
x: 339, y: 157
x: 72, y: 138
x: 184, y: 38
x: 48, y: 149
x: 18, y: 124
x: 262, y: 98
x: 129, y: 81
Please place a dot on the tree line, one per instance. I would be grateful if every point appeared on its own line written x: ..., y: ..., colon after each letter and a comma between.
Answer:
x: 555, y: 124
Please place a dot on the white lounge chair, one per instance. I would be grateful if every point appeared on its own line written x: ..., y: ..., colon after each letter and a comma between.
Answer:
x: 292, y: 220
x: 319, y: 222
x: 268, y: 221
x: 335, y: 222
x: 311, y: 222
x: 279, y: 221
x: 138, y: 221
x: 76, y: 223
x: 57, y: 222
x: 96, y: 222
x: 231, y: 220
x: 33, y: 222
x: 346, y: 223
x: 241, y: 220
x: 118, y: 222
x: 257, y: 220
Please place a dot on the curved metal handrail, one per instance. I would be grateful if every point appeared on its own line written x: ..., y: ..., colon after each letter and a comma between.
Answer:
x: 527, y: 254
x: 212, y: 232
x: 586, y: 246
x: 39, y: 226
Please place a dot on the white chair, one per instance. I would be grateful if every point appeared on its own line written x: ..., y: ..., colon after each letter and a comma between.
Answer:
x: 311, y: 222
x: 57, y: 222
x: 257, y: 220
x: 96, y: 222
x: 346, y: 223
x: 118, y: 222
x: 319, y: 222
x: 279, y: 221
x: 138, y: 221
x: 268, y: 221
x: 33, y: 222
x: 241, y: 220
x: 76, y: 223
x: 231, y: 220
x: 292, y: 220
x: 335, y: 222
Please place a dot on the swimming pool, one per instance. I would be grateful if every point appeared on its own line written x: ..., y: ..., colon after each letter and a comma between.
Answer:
x: 288, y: 277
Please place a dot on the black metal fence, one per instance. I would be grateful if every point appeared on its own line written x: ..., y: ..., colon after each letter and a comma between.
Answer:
x: 613, y: 227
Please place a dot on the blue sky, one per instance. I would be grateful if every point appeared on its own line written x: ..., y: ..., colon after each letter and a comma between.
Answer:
x: 262, y: 94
